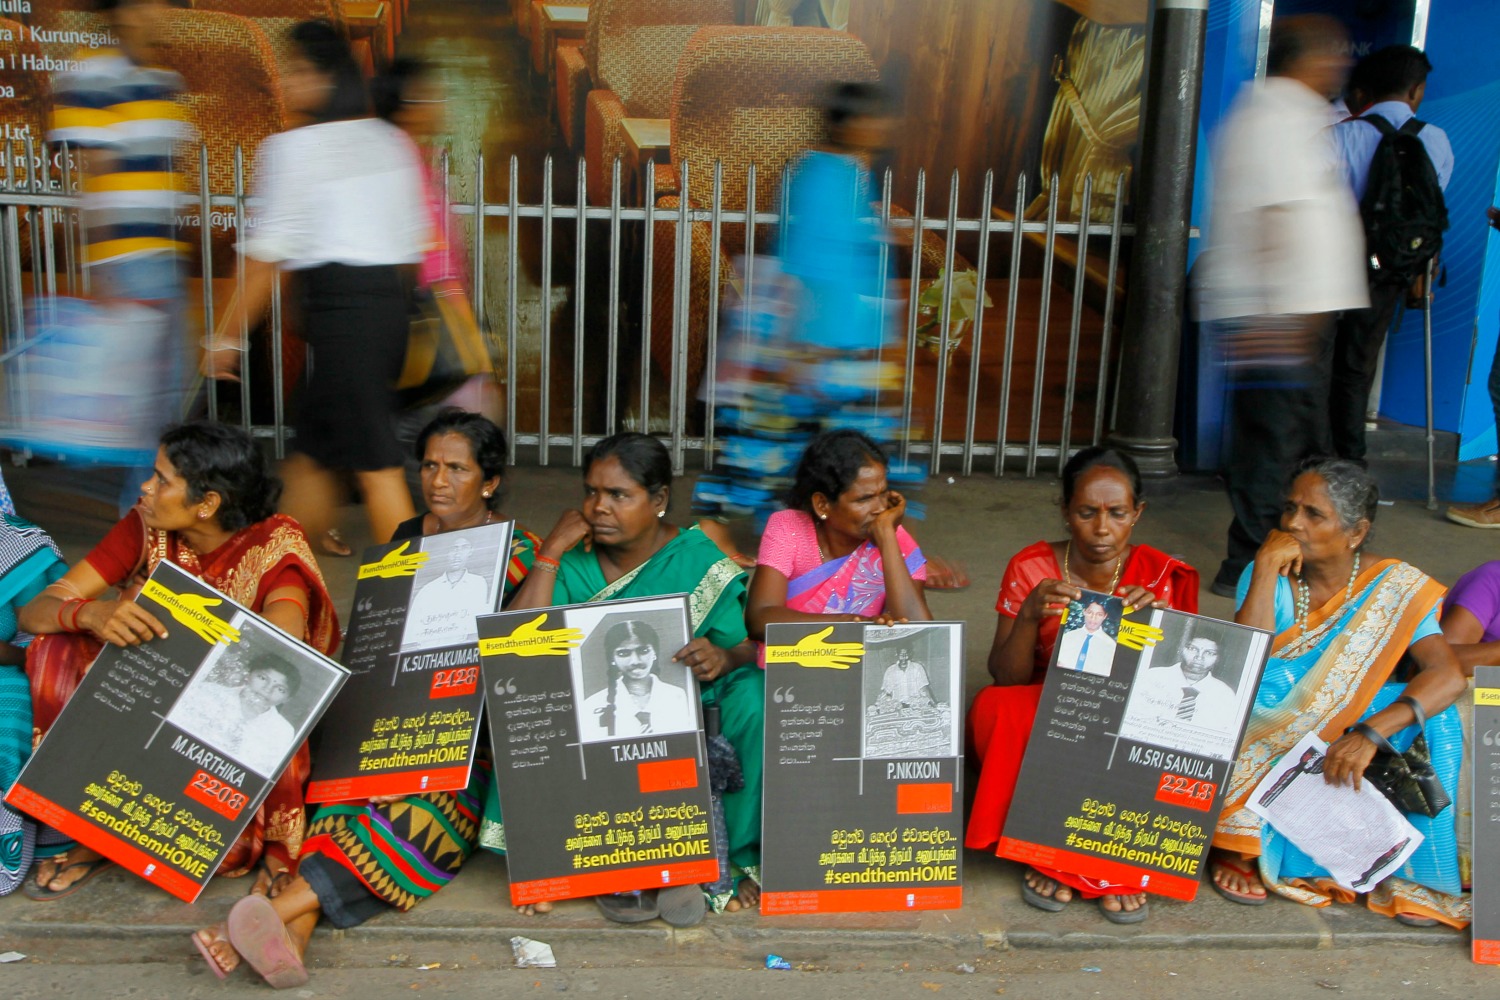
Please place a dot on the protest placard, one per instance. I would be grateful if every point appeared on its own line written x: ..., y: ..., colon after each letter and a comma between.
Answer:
x: 1484, y: 757
x: 598, y: 737
x: 1138, y: 726
x: 162, y: 756
x: 408, y: 720
x: 864, y: 778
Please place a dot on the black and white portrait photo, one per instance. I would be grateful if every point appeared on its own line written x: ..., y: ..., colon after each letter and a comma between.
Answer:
x: 252, y: 700
x: 1187, y: 692
x: 624, y: 672
x: 461, y: 579
x: 910, y: 691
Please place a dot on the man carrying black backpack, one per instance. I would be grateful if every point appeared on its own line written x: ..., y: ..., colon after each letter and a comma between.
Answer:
x: 1398, y: 167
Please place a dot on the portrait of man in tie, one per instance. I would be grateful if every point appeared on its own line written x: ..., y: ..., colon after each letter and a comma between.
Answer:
x: 1087, y: 643
x: 1186, y: 694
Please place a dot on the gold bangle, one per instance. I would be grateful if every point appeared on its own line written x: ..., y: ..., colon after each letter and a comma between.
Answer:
x: 545, y: 566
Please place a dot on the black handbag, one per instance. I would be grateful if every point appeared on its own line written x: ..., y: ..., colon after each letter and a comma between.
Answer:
x: 1407, y: 779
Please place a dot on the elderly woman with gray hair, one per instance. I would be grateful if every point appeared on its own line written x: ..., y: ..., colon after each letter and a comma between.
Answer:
x: 1358, y: 655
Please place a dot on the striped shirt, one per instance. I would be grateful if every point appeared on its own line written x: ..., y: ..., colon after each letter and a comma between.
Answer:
x: 129, y: 117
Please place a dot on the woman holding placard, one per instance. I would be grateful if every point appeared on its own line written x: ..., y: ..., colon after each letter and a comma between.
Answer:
x: 1101, y: 503
x: 362, y: 859
x: 1345, y: 623
x: 209, y: 508
x: 620, y: 546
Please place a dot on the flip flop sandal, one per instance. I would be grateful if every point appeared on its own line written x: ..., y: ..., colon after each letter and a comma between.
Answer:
x: 32, y: 889
x: 332, y: 543
x: 1412, y: 920
x: 208, y: 956
x: 1134, y: 916
x: 1243, y: 898
x: 276, y: 881
x: 258, y: 934
x: 1036, y: 899
x: 628, y: 908
x: 682, y: 905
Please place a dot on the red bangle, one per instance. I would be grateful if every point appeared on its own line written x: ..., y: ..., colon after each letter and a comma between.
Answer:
x: 62, y: 626
x: 77, y: 608
x: 548, y: 561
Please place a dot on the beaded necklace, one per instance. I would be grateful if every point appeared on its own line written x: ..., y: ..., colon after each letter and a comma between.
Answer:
x: 1304, y: 595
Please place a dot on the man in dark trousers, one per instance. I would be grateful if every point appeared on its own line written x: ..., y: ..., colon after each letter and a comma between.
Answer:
x: 1283, y: 257
x: 1395, y: 80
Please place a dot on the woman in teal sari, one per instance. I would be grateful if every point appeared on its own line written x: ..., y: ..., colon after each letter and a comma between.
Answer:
x: 1346, y: 625
x: 620, y: 546
x: 29, y: 561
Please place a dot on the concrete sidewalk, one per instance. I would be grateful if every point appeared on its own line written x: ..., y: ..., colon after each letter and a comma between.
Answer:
x: 980, y: 521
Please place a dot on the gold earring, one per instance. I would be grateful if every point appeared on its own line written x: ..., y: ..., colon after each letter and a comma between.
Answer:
x: 486, y: 494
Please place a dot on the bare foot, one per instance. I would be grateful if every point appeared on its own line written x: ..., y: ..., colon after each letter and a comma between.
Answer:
x: 1048, y: 888
x: 534, y: 909
x: 215, y: 942
x: 1123, y: 904
x: 1236, y: 878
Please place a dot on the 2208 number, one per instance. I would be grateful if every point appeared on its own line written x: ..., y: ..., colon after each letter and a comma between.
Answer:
x: 455, y: 682
x: 223, y: 799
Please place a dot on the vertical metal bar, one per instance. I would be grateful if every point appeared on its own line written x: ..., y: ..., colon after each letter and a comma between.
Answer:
x: 682, y: 293
x: 477, y: 292
x: 49, y: 248
x: 444, y: 168
x: 278, y: 376
x: 581, y: 200
x: 746, y: 299
x: 1049, y: 257
x: 15, y: 308
x: 546, y: 310
x: 206, y: 252
x: 239, y: 277
x: 976, y: 345
x: 911, y: 315
x: 648, y: 262
x: 1109, y: 307
x: 512, y: 265
x: 1069, y: 388
x: 1012, y: 294
x: 944, y: 322
x: 1432, y: 503
x: 711, y: 361
x: 611, y: 391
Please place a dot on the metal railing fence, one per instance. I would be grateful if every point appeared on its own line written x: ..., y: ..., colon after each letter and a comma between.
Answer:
x: 544, y: 306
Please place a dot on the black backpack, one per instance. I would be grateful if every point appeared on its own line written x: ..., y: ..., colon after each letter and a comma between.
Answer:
x: 1403, y: 209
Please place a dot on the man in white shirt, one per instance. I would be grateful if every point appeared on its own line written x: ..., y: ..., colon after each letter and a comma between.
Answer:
x: 1395, y: 80
x: 443, y: 611
x: 905, y: 684
x: 1090, y: 649
x: 1187, y: 691
x: 1284, y: 255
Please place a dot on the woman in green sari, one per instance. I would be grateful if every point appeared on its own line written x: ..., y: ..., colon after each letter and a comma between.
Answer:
x: 621, y: 546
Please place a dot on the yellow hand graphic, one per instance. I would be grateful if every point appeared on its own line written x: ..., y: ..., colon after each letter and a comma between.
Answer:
x: 531, y: 640
x: 393, y: 564
x: 813, y: 650
x: 192, y: 611
x: 1139, y: 635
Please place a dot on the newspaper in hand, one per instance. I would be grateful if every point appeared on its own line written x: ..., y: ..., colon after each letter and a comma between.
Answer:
x: 1358, y: 836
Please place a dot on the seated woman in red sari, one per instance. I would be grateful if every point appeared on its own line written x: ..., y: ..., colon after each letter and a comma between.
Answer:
x: 1101, y: 504
x: 840, y: 550
x: 208, y: 508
